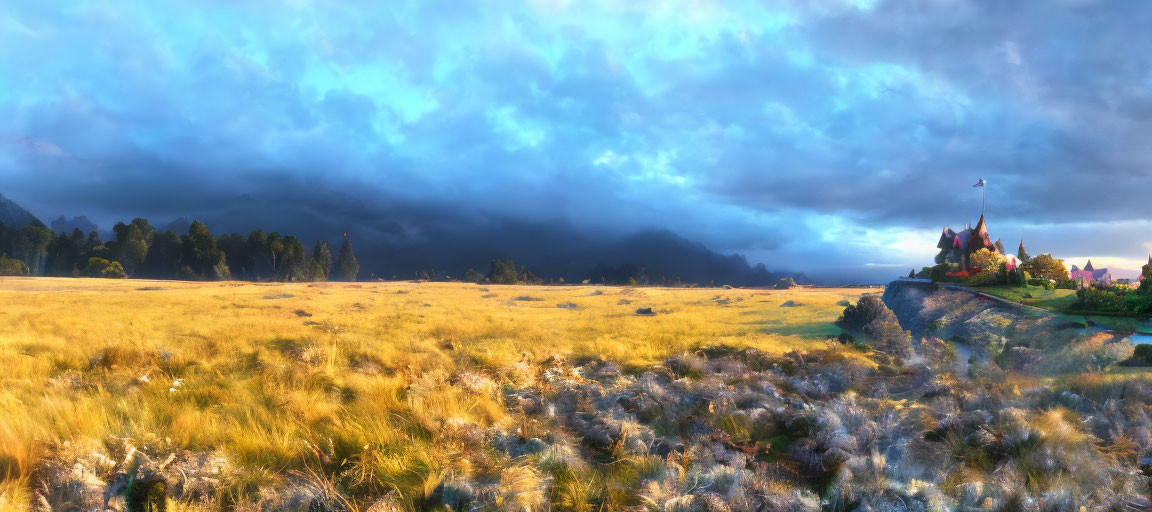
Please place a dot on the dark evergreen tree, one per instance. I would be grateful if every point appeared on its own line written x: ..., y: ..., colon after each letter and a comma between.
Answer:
x: 93, y: 241
x: 346, y: 265
x: 32, y: 247
x: 235, y: 248
x: 293, y: 261
x: 200, y: 257
x: 321, y: 261
x: 503, y: 272
x: 262, y: 261
x: 64, y: 253
x: 163, y: 258
x: 131, y: 244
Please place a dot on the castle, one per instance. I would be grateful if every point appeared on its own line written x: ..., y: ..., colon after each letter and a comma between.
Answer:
x: 957, y: 247
x: 1088, y: 275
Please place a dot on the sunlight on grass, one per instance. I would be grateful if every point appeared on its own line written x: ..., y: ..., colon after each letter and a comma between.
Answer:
x: 279, y: 376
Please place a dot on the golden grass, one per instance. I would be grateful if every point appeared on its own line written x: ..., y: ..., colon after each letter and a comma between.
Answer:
x: 281, y: 375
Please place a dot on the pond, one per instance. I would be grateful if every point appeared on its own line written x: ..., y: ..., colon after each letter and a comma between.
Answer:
x: 1140, y: 339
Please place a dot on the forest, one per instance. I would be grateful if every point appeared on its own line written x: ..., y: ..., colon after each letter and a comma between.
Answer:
x: 140, y: 250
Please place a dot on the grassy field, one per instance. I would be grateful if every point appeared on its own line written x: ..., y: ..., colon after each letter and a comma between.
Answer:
x: 1054, y: 300
x: 1059, y: 301
x: 290, y: 379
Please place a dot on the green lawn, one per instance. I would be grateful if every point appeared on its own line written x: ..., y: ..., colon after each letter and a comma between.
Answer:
x: 1058, y: 302
x: 1054, y: 300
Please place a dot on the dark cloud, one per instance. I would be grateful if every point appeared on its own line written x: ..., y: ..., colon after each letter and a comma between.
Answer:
x: 798, y: 133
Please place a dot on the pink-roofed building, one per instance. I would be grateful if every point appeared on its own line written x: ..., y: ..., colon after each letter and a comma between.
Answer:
x: 1089, y: 275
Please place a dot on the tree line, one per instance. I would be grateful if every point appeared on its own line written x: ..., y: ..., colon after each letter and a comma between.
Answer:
x: 139, y: 250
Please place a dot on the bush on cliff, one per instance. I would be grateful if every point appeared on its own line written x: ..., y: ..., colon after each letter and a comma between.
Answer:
x: 868, y: 309
x: 878, y: 325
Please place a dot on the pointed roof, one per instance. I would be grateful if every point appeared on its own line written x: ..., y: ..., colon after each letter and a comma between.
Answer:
x: 1088, y: 267
x: 946, y: 238
x: 1022, y: 248
x: 980, y: 226
x: 979, y: 238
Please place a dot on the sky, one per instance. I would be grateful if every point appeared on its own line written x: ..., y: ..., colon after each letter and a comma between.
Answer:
x: 832, y: 137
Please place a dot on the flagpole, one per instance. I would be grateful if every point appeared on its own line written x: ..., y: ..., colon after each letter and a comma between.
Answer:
x: 982, y: 193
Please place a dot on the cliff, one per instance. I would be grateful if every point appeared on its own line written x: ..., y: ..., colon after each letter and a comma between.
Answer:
x: 954, y: 313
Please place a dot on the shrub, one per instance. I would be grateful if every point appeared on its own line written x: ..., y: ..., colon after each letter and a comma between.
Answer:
x: 887, y: 336
x: 1141, y: 356
x: 872, y: 318
x: 867, y: 310
x: 100, y: 267
x: 12, y: 267
x: 1099, y: 299
x: 988, y: 268
x: 473, y: 276
x: 939, y: 273
x: 506, y: 272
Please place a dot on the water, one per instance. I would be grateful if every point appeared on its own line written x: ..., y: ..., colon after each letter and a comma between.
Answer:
x: 1140, y: 339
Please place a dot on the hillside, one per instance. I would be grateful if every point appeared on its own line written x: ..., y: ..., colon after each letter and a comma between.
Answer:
x: 13, y: 215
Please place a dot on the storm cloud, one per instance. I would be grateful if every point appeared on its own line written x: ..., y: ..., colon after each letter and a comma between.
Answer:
x: 832, y: 137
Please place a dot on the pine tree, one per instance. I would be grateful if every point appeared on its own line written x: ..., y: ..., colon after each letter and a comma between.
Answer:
x: 346, y: 265
x: 201, y: 258
x: 321, y: 261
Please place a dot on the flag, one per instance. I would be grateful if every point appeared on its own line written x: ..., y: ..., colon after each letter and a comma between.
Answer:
x: 980, y: 183
x: 345, y: 234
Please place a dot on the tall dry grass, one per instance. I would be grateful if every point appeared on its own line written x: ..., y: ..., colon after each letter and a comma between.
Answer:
x: 325, y: 378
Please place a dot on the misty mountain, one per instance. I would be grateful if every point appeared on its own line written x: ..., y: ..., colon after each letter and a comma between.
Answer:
x: 65, y: 225
x: 179, y: 225
x: 14, y: 216
x: 396, y: 238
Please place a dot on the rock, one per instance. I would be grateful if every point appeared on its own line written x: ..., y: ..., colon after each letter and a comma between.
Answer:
x: 567, y: 305
x: 789, y: 304
x: 455, y: 494
x: 644, y: 311
x: 389, y: 503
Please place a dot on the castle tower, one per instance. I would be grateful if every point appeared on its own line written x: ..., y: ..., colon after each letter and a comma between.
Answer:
x: 980, y: 238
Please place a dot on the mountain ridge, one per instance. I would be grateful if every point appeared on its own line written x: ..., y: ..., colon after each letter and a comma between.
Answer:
x: 14, y: 215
